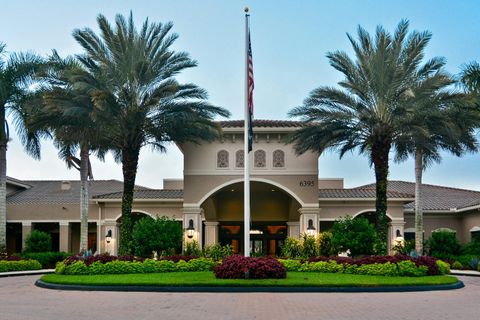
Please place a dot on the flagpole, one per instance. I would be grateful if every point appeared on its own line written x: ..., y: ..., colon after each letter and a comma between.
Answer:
x: 246, y: 158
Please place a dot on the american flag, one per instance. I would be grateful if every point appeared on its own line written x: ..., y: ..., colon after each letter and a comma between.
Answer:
x: 250, y: 86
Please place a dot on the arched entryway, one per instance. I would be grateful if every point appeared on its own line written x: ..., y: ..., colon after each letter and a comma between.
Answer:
x: 272, y: 208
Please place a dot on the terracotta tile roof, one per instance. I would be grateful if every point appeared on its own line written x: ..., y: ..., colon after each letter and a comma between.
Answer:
x: 146, y: 194
x: 49, y: 191
x: 261, y: 123
x: 435, y: 197
x: 358, y: 193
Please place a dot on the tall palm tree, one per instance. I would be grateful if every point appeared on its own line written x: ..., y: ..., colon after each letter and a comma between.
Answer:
x: 135, y: 84
x: 470, y: 77
x: 441, y: 120
x: 64, y: 111
x: 16, y: 71
x: 365, y: 112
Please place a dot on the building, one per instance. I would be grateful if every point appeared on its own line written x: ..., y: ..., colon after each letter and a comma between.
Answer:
x: 287, y: 198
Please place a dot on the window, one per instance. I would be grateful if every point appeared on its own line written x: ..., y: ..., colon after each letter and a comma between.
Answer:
x: 278, y: 159
x: 260, y: 160
x: 222, y: 159
x: 239, y: 159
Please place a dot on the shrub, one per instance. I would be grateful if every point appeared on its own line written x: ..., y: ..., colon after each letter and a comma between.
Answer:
x: 472, y: 247
x: 48, y: 260
x: 322, y: 266
x: 80, y: 267
x: 291, y: 265
x: 38, y: 241
x: 178, y: 258
x: 356, y: 235
x: 457, y: 265
x: 309, y: 246
x: 238, y: 267
x: 19, y: 265
x: 292, y: 248
x: 405, y: 248
x: 378, y: 269
x: 408, y: 268
x: 325, y: 246
x: 191, y: 248
x: 217, y: 251
x: 156, y: 235
x: 443, y: 267
x: 443, y: 244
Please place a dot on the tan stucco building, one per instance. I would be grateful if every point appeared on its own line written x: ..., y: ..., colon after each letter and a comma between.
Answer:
x: 286, y: 197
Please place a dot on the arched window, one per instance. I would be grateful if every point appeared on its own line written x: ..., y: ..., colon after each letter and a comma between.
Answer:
x: 222, y: 159
x: 260, y: 159
x: 278, y: 159
x: 239, y: 159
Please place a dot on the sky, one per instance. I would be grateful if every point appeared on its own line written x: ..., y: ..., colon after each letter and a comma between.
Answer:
x: 290, y: 40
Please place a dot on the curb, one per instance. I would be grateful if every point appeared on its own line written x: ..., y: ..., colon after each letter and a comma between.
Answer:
x: 54, y: 286
x: 466, y: 274
x: 25, y: 273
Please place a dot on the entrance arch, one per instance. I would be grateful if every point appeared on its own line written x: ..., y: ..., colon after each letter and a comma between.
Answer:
x: 272, y: 208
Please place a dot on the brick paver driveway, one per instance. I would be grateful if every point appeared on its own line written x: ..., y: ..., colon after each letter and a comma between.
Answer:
x: 20, y: 299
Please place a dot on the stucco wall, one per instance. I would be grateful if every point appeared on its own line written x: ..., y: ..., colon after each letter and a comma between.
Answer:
x: 334, y: 210
x: 433, y: 221
x: 470, y: 219
x: 48, y: 212
x: 112, y: 211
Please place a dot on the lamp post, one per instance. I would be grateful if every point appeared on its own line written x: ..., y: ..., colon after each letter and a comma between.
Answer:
x: 108, y: 236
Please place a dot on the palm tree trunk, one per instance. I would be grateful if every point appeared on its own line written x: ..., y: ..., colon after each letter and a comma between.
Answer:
x: 418, y: 202
x: 380, y: 151
x: 129, y: 167
x: 84, y: 150
x: 3, y: 181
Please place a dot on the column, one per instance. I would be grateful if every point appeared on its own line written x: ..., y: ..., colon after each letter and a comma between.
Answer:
x: 309, y: 216
x: 211, y: 232
x: 26, y: 230
x: 65, y: 237
x: 293, y: 229
x: 100, y: 240
x: 195, y: 215
x: 395, y: 229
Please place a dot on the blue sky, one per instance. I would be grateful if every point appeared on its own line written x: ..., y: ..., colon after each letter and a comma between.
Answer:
x: 289, y: 43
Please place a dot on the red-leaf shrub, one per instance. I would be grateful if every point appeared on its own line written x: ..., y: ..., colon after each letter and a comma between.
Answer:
x: 11, y: 258
x: 178, y: 258
x: 239, y: 267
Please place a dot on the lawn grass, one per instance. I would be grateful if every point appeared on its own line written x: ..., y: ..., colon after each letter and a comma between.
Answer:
x: 207, y: 279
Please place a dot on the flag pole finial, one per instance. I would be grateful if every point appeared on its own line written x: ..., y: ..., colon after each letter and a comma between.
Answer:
x: 246, y: 9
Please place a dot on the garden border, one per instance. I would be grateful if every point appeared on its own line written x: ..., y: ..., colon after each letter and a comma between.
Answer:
x: 39, y: 283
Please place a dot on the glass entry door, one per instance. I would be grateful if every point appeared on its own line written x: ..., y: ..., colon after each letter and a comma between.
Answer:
x: 266, y: 238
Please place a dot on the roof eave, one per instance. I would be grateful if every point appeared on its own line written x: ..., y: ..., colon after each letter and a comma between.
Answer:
x: 139, y: 200
x: 367, y: 199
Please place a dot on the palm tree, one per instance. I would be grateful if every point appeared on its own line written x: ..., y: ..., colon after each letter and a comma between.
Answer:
x: 64, y: 111
x: 470, y: 77
x: 135, y: 84
x: 441, y: 120
x: 366, y: 112
x: 16, y: 71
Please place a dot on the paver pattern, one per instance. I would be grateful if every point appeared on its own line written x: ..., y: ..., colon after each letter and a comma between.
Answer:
x: 21, y: 300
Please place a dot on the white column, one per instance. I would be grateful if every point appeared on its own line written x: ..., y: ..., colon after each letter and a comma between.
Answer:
x: 100, y: 239
x: 64, y: 228
x: 393, y: 226
x: 26, y: 230
x: 306, y: 214
x: 211, y: 232
x: 195, y: 214
x: 293, y: 229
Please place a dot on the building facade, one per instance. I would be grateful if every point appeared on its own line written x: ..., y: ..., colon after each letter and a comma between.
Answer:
x: 287, y: 198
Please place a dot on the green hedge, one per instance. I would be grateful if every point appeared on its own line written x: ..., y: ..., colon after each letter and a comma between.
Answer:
x: 20, y: 265
x: 48, y: 260
x: 402, y: 268
x: 129, y: 267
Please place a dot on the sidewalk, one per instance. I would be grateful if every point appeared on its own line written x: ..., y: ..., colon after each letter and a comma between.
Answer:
x: 25, y: 273
x: 471, y: 273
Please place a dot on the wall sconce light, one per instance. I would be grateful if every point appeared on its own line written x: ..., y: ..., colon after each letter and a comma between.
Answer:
x: 310, y: 229
x: 190, y: 229
x: 108, y: 236
x: 398, y: 237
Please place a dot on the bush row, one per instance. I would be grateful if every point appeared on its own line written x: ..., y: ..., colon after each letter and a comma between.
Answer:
x: 384, y: 266
x: 239, y: 267
x: 19, y: 265
x: 119, y: 266
x: 48, y: 260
